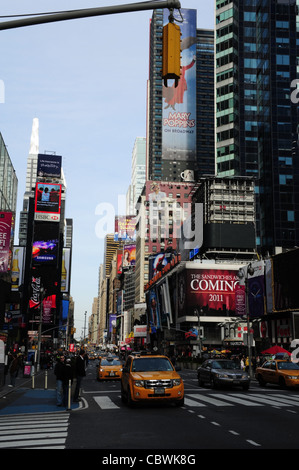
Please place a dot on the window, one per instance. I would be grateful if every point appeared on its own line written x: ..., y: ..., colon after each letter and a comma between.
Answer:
x: 291, y: 216
x: 282, y: 59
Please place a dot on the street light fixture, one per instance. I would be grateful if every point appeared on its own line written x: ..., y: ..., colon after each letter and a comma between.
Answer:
x: 41, y: 298
x: 243, y: 276
x: 196, y: 312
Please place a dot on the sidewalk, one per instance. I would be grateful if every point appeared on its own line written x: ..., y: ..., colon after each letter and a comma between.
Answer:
x: 32, y: 395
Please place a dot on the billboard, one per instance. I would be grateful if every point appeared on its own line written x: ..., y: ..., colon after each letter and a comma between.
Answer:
x: 65, y: 270
x: 45, y: 244
x: 48, y: 166
x: 125, y: 228
x: 153, y: 311
x: 157, y: 262
x: 6, y: 221
x: 47, y: 202
x: 212, y: 290
x: 179, y: 103
x: 256, y: 289
x: 129, y: 257
x: 18, y: 267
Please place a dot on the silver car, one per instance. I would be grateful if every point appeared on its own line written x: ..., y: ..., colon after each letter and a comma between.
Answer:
x: 222, y: 372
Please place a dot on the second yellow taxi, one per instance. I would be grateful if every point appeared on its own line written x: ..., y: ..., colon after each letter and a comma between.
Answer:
x: 283, y: 373
x: 109, y: 368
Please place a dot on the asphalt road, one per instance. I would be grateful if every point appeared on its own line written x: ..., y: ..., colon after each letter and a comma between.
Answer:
x: 210, y: 419
x: 262, y: 418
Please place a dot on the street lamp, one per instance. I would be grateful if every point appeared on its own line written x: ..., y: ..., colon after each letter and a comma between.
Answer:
x: 243, y: 276
x: 198, y: 334
x: 41, y: 293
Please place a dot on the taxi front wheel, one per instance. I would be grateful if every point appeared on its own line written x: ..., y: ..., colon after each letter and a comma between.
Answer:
x: 123, y: 395
x: 129, y: 399
x: 180, y: 402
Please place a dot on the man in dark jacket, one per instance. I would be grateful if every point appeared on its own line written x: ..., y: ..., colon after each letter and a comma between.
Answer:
x: 68, y: 376
x: 60, y: 374
x: 80, y: 373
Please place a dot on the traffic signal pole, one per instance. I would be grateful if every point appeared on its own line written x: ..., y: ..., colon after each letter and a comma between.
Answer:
x: 89, y: 12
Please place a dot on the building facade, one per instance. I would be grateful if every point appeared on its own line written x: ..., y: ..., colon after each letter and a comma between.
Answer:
x: 256, y: 120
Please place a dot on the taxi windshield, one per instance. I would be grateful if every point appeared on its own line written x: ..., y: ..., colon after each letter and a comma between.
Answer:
x: 287, y: 366
x: 110, y: 362
x: 151, y: 364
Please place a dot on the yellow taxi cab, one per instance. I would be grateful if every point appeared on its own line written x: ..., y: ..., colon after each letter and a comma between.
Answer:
x: 151, y: 378
x: 281, y: 372
x: 109, y: 368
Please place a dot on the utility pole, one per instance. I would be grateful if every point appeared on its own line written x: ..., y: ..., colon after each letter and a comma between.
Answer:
x: 88, y: 12
x: 84, y: 325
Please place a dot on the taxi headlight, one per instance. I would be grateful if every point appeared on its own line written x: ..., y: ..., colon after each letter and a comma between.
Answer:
x: 139, y: 383
x: 292, y: 377
x: 176, y: 382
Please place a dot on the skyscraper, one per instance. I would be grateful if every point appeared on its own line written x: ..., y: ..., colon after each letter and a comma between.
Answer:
x: 137, y: 175
x: 256, y: 122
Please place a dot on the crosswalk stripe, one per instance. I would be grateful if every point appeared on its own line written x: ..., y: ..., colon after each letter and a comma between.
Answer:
x: 105, y: 403
x: 210, y: 400
x: 40, y: 435
x: 25, y: 445
x: 189, y: 402
x: 34, y: 432
x: 10, y: 430
x: 277, y: 400
x: 294, y: 398
x: 235, y: 400
x: 267, y: 401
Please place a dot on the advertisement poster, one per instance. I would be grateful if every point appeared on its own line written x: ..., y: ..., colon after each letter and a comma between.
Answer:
x: 179, y: 103
x: 129, y: 258
x: 49, y: 303
x: 212, y: 290
x: 49, y: 165
x: 125, y: 228
x: 45, y: 243
x: 47, y: 202
x: 112, y: 322
x: 153, y: 311
x: 17, y: 267
x: 157, y: 263
x: 256, y: 290
x: 65, y: 270
x: 5, y: 231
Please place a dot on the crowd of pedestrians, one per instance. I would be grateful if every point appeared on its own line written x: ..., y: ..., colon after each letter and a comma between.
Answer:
x: 66, y: 367
x: 66, y: 370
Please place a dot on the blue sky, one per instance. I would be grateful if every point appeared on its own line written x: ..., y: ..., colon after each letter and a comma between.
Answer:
x: 85, y: 80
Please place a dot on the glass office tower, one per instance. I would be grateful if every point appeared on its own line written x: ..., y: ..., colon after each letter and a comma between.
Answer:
x: 256, y: 122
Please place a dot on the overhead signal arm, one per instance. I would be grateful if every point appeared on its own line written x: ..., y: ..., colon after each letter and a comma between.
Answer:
x: 86, y: 13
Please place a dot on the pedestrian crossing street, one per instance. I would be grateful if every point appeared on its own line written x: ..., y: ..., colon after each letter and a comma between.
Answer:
x: 44, y: 431
x: 201, y: 400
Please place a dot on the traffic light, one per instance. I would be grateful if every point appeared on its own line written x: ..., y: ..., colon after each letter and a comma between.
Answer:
x: 171, y: 53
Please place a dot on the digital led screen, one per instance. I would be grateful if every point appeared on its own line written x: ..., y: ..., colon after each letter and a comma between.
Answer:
x: 48, y: 198
x: 45, y: 243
